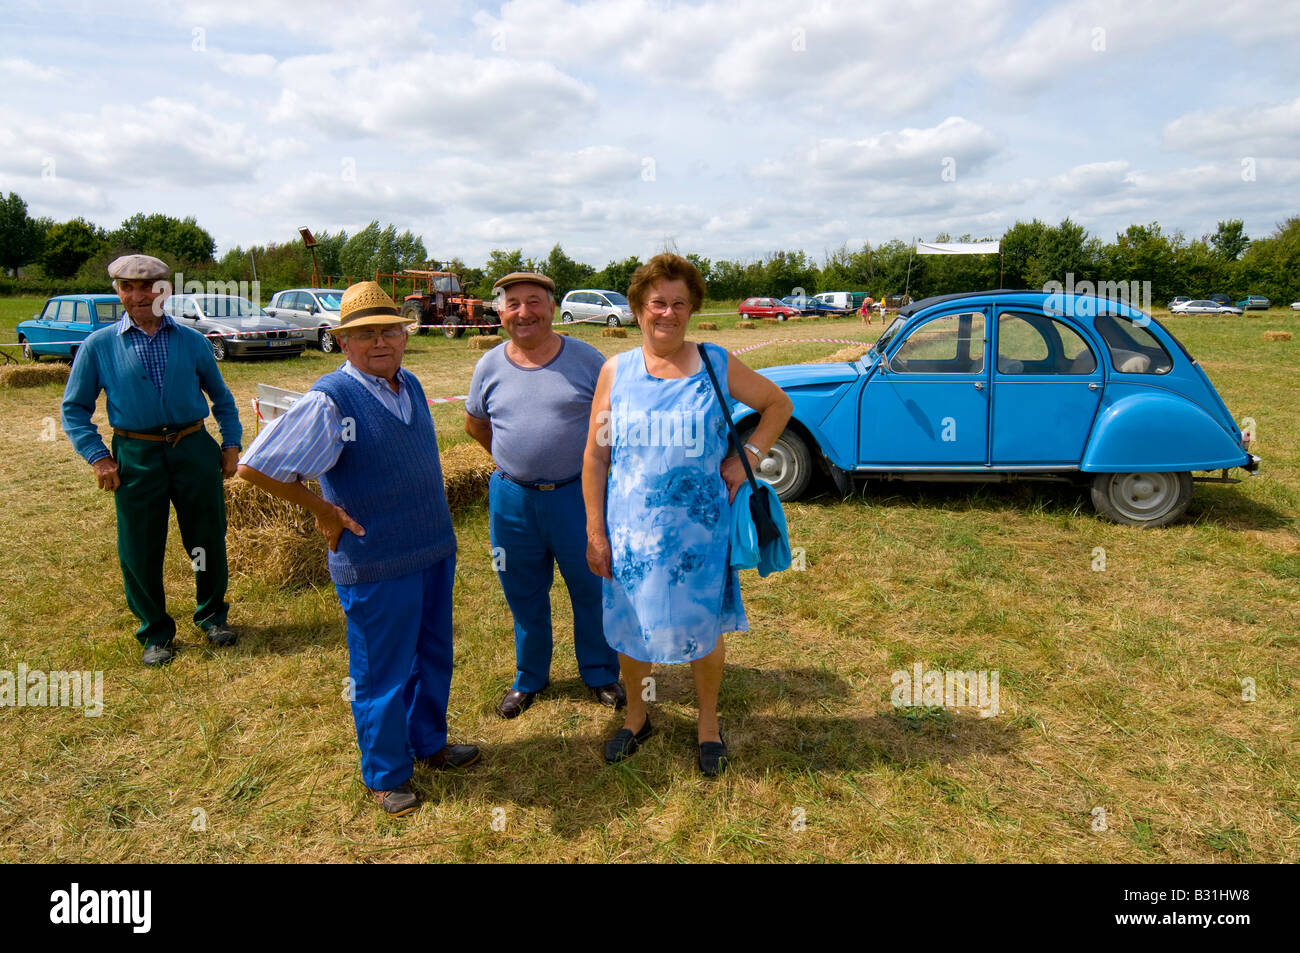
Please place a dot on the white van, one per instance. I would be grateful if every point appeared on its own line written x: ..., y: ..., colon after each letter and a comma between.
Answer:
x: 839, y: 300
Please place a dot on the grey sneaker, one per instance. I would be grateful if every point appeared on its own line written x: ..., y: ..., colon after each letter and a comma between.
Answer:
x: 155, y: 655
x: 221, y: 635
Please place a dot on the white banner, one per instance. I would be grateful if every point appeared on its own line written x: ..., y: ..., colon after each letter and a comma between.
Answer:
x: 958, y: 248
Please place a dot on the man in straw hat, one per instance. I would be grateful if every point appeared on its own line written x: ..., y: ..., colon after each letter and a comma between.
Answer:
x: 529, y: 405
x: 155, y: 374
x: 365, y: 432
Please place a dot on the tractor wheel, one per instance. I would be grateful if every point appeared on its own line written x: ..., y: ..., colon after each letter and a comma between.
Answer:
x: 414, y: 313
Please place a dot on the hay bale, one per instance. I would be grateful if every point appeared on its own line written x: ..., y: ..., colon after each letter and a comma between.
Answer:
x: 483, y: 342
x: 1277, y: 335
x: 771, y: 320
x: 810, y: 317
x: 750, y: 325
x: 707, y: 326
x: 466, y: 468
x: 33, y: 375
x: 850, y: 353
x: 613, y: 333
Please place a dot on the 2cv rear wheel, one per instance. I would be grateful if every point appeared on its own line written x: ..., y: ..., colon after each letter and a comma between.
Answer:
x: 1145, y: 500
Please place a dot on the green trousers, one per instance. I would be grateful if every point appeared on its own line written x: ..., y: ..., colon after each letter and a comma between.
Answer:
x: 155, y: 476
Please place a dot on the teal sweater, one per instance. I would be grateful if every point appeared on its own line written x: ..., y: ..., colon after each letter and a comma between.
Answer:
x: 107, y: 362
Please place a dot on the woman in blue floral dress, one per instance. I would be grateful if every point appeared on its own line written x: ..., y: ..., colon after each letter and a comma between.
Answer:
x: 658, y: 479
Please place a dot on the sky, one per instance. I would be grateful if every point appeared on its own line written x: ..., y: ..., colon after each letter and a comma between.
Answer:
x: 623, y: 127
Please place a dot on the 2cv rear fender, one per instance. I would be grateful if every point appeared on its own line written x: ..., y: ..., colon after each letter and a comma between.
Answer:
x: 1154, y: 431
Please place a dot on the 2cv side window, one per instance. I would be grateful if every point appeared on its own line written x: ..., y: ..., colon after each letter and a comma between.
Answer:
x: 952, y: 344
x: 1133, y: 349
x: 1038, y: 344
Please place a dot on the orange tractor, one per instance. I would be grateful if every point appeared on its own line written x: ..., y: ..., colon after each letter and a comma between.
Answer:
x: 436, y: 298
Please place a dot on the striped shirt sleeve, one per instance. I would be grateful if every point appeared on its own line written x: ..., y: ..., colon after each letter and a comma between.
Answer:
x: 303, y: 443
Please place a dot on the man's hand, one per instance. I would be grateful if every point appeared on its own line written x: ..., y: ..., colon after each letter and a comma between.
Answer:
x: 106, y: 473
x: 333, y: 523
x: 598, y: 556
x: 229, y: 460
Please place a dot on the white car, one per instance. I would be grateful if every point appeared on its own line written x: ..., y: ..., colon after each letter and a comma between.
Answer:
x: 590, y: 304
x: 1295, y: 305
x: 1203, y: 306
x: 315, y: 309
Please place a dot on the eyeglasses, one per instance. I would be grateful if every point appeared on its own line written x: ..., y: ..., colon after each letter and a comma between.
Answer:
x: 659, y: 306
x: 369, y: 335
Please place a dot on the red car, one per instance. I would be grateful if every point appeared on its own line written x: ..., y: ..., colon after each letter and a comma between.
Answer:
x: 766, y: 308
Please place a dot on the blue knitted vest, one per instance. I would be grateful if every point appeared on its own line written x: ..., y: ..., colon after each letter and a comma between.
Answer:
x: 389, y: 480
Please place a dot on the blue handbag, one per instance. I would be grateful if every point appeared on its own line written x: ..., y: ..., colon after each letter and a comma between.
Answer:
x: 759, y: 538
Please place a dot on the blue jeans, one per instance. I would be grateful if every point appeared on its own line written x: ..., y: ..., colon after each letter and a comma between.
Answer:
x: 399, y: 658
x: 530, y: 531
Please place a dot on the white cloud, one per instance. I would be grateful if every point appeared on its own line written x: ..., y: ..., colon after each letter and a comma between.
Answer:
x: 1267, y: 130
x: 26, y: 69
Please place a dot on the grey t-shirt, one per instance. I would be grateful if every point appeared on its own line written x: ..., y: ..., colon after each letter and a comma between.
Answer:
x: 539, y: 415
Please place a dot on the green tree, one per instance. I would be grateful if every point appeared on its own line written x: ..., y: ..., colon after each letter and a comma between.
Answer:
x: 69, y: 244
x: 1020, y: 244
x: 617, y: 275
x: 21, y: 237
x: 565, y: 272
x: 175, y: 239
x: 1230, y: 239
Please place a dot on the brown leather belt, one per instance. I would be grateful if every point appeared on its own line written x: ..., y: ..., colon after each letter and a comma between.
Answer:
x: 171, y: 436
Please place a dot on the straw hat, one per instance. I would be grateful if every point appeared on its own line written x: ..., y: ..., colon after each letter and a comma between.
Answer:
x: 365, y: 304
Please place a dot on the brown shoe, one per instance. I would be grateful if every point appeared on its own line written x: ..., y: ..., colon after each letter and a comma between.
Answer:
x: 399, y: 801
x: 515, y: 702
x: 452, y: 756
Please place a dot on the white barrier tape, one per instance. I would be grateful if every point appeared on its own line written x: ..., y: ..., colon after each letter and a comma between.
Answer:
x: 751, y: 347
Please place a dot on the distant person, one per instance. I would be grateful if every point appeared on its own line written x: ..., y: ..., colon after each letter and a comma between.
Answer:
x: 866, y: 310
x: 365, y: 432
x: 154, y: 374
x: 529, y: 404
x: 659, y: 508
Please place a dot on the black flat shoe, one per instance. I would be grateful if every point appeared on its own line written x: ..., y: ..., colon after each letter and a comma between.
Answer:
x: 624, y: 744
x: 713, y: 757
x: 611, y: 695
x: 515, y: 702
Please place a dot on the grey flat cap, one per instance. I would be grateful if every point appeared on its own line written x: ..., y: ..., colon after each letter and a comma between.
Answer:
x: 139, y: 268
x: 520, y: 277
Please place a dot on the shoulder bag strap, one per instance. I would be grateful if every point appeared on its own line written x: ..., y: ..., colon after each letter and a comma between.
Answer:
x: 735, y: 438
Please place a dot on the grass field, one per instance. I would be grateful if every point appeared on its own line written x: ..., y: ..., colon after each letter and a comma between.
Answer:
x: 1123, y: 733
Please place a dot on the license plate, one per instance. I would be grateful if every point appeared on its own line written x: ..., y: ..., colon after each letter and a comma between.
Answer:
x: 278, y: 343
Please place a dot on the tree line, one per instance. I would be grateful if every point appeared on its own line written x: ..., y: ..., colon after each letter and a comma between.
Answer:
x: 1033, y: 253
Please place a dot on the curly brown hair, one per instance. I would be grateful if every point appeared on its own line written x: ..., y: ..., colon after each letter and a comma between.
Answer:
x: 665, y: 267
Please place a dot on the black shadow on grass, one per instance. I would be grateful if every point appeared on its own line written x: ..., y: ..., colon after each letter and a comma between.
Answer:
x: 566, y: 776
x: 1214, y: 504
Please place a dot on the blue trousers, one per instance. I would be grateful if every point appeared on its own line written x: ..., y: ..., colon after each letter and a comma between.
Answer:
x: 531, y: 531
x: 399, y: 658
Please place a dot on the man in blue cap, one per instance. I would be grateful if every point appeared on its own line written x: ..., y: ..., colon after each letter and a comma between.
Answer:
x: 155, y: 374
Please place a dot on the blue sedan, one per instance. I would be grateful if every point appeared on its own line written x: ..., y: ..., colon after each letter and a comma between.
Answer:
x: 1012, y: 385
x: 64, y: 322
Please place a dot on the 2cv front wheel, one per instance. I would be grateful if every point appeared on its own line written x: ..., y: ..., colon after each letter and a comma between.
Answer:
x: 1145, y: 500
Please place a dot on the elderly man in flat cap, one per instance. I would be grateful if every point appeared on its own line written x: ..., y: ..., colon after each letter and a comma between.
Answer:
x: 529, y: 405
x: 365, y: 432
x: 155, y: 374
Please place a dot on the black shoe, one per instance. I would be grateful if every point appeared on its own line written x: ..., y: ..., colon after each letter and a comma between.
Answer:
x: 452, y: 756
x: 611, y: 696
x: 221, y: 635
x: 516, y: 702
x: 624, y: 744
x: 155, y: 655
x: 713, y: 757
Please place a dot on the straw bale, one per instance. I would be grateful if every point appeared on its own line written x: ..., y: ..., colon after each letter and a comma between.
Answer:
x: 750, y: 325
x: 484, y: 342
x: 707, y: 326
x: 1277, y: 335
x: 466, y: 468
x: 33, y: 375
x: 613, y: 333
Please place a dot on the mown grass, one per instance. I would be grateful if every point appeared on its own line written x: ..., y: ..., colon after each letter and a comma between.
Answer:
x: 1120, y: 689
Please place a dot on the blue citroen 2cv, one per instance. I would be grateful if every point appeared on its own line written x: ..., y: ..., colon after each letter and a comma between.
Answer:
x: 1004, y: 385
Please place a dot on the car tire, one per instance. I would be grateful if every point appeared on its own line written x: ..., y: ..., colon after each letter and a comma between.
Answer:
x: 567, y: 317
x: 28, y: 353
x: 219, y: 347
x: 613, y: 322
x: 326, y: 342
x: 1145, y: 500
x: 788, y: 466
